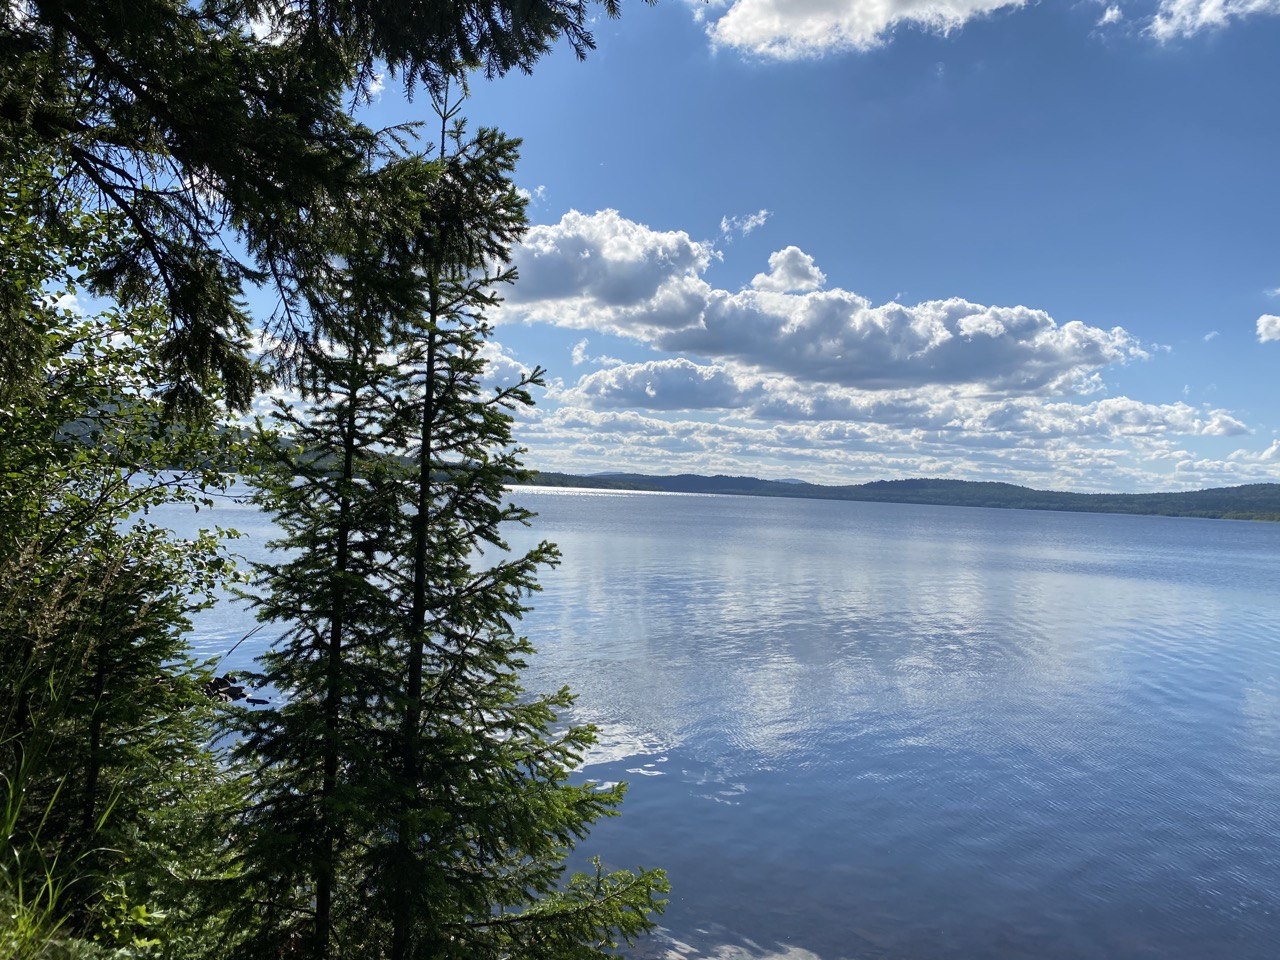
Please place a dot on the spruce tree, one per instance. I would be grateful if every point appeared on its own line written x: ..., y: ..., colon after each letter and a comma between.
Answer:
x: 325, y: 480
x: 488, y: 812
x: 428, y: 794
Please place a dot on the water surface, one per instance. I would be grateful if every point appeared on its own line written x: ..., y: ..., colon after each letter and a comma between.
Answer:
x: 911, y: 732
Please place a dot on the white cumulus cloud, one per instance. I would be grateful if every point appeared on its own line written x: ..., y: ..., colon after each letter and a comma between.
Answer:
x: 791, y: 270
x: 605, y: 273
x: 501, y: 369
x: 792, y: 376
x: 676, y: 384
x: 802, y: 29
x: 1268, y: 327
x: 795, y: 29
x: 606, y: 262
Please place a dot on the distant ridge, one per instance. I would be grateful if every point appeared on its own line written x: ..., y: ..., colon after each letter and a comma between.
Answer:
x: 1255, y: 501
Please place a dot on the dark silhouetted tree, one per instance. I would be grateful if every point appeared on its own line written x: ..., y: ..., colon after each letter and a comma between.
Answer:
x: 412, y: 790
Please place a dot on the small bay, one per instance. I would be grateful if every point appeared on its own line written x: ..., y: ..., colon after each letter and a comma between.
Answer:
x: 866, y: 730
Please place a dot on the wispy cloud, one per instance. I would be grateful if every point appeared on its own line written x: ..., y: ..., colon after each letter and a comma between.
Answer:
x: 578, y: 356
x: 744, y: 225
x: 1176, y: 19
x: 534, y: 196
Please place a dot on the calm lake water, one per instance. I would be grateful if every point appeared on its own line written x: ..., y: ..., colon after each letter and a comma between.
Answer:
x: 913, y: 733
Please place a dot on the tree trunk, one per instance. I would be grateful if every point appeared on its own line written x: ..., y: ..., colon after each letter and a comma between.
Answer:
x: 326, y: 867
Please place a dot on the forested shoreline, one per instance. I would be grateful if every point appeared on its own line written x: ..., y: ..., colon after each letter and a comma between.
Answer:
x: 1257, y: 501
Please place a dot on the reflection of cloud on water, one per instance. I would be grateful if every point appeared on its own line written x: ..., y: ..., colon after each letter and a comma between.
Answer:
x: 617, y: 742
x: 787, y: 646
x: 648, y: 770
x: 1261, y: 709
x: 719, y: 944
x: 774, y: 708
x: 729, y: 796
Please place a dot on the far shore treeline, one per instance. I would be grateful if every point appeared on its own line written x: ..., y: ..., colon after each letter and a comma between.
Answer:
x: 1254, y: 501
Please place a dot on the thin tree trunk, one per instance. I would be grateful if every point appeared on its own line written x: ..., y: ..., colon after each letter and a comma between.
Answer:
x: 402, y: 914
x: 326, y: 868
x: 93, y: 762
x: 410, y: 761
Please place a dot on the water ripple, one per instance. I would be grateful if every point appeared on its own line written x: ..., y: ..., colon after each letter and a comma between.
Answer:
x: 889, y: 732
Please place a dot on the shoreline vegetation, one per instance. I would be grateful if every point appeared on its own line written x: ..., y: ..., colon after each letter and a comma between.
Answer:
x: 1254, y: 501
x: 199, y: 227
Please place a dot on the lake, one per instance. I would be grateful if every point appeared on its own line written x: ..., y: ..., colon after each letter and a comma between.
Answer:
x: 896, y: 732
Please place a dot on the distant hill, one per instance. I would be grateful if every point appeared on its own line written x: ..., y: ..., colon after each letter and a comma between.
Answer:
x: 1255, y: 501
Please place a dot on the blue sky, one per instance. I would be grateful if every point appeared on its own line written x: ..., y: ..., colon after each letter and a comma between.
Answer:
x: 847, y: 240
